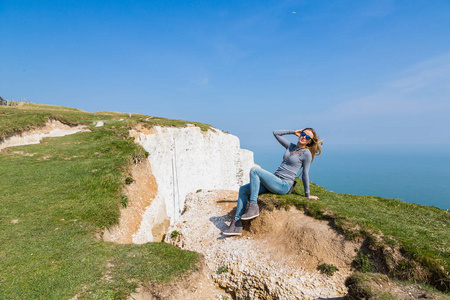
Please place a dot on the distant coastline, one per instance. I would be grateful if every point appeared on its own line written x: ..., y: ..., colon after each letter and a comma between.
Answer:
x: 407, y: 173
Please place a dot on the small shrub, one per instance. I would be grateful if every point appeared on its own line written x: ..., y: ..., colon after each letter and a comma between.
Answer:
x: 139, y: 155
x: 129, y: 180
x: 328, y: 269
x: 405, y: 269
x: 124, y: 200
x: 222, y: 269
x: 198, y: 191
x: 174, y: 234
x: 363, y: 262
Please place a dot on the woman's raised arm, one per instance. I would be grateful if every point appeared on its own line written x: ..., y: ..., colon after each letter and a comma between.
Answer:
x: 278, y: 135
x: 298, y: 132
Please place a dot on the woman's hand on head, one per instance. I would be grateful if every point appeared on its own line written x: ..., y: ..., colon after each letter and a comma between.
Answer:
x: 297, y: 132
x: 313, y: 197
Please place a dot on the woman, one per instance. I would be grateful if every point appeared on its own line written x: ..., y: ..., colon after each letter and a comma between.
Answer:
x: 261, y: 181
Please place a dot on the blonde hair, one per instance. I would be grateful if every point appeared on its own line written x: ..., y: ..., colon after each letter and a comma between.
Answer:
x: 315, y: 146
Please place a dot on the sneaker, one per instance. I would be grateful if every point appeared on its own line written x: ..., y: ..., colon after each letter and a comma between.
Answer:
x: 234, y: 229
x: 251, y: 212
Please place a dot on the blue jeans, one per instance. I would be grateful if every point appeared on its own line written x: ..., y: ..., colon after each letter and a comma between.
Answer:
x: 261, y: 181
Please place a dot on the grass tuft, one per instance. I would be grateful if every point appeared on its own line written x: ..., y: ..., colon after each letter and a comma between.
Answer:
x: 124, y: 201
x: 328, y: 269
x: 129, y: 180
x: 174, y: 234
x: 221, y: 270
x: 363, y: 262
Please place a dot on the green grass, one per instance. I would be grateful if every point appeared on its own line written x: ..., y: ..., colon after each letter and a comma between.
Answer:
x: 53, y: 203
x: 152, y: 121
x: 422, y: 233
x: 14, y: 120
x: 221, y: 270
x: 328, y: 269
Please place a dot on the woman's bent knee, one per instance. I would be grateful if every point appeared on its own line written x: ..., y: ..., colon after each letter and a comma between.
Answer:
x: 254, y: 169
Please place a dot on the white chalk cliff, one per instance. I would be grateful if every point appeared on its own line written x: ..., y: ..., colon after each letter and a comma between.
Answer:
x: 185, y: 160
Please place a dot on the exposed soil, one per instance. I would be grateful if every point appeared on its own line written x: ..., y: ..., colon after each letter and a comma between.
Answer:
x: 140, y: 194
x: 309, y: 241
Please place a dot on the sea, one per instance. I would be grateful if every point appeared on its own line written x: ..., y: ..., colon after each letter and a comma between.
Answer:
x: 408, y: 173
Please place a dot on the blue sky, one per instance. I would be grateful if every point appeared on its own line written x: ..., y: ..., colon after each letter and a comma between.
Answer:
x: 360, y: 72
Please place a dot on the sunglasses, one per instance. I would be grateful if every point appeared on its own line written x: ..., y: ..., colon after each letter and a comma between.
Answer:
x: 308, y: 138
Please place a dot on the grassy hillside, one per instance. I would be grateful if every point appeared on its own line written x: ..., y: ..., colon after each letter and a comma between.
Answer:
x: 404, y: 240
x: 56, y: 195
x: 14, y: 120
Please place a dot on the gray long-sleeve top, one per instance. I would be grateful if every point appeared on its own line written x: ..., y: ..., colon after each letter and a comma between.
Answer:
x: 291, y: 166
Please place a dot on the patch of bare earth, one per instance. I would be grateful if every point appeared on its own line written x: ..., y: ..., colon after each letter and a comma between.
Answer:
x: 141, y: 129
x: 140, y: 194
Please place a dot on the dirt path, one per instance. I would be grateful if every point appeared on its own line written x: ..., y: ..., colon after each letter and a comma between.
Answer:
x: 276, y: 259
